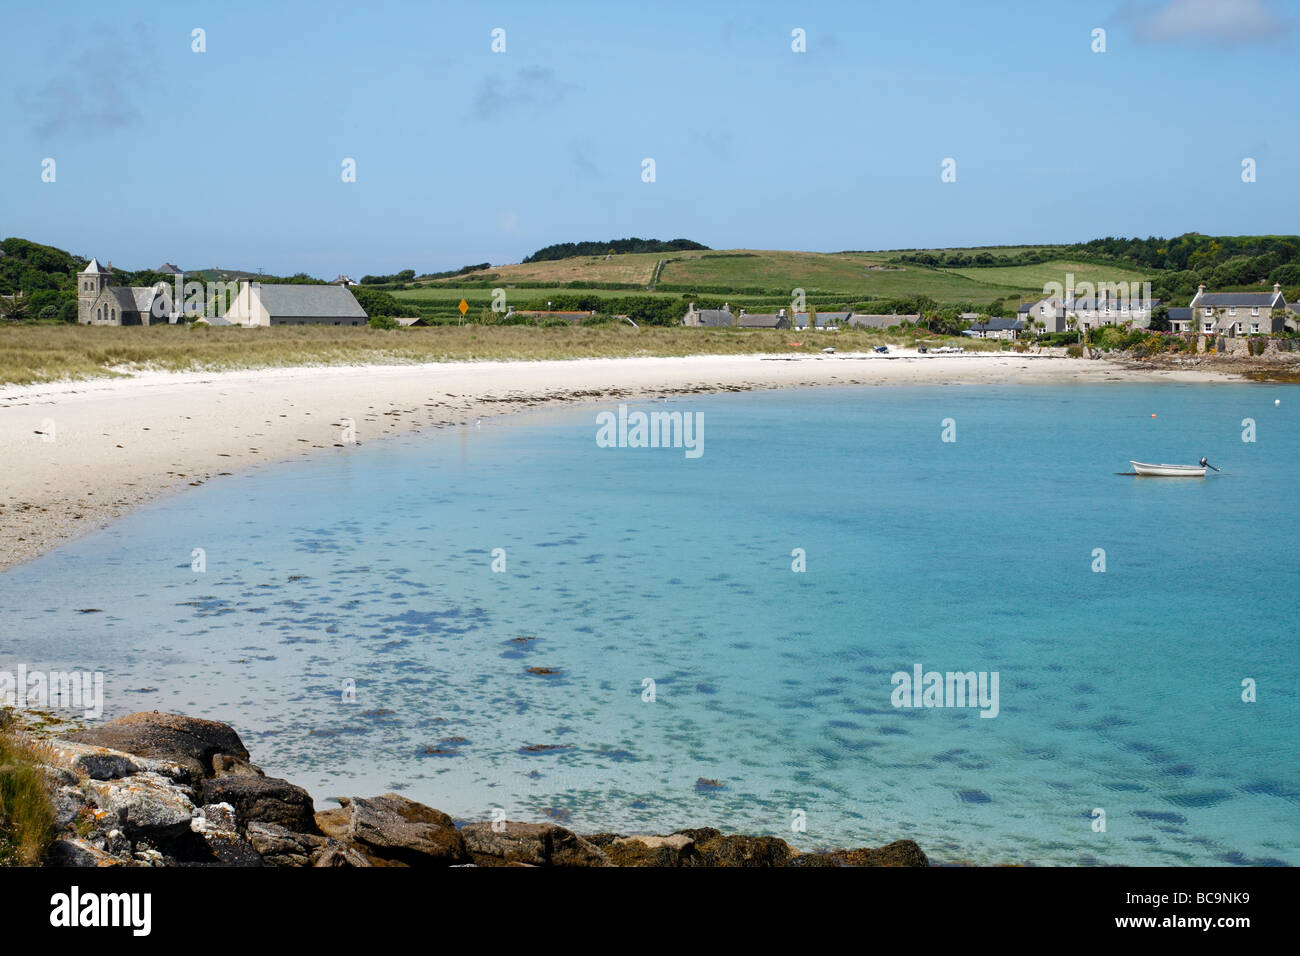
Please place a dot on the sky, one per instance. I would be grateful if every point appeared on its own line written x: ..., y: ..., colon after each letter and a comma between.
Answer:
x: 234, y: 157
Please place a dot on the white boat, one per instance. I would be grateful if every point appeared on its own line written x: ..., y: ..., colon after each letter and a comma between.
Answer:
x: 1167, y: 471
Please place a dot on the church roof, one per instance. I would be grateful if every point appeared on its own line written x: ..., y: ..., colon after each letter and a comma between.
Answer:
x: 125, y: 299
x: 295, y: 301
x: 95, y: 268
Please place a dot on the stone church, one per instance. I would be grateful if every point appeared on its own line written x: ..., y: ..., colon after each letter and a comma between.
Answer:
x: 99, y: 303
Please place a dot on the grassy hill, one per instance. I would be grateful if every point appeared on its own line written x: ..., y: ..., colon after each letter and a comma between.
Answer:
x: 763, y: 280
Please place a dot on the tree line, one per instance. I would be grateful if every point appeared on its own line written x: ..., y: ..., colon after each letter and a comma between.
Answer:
x: 568, y: 250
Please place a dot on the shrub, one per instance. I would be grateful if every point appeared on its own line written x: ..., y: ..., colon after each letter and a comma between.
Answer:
x: 385, y: 322
x: 1060, y: 338
x: 26, y: 814
x: 376, y: 302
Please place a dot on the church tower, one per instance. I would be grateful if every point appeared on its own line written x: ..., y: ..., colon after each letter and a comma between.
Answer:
x: 91, y: 281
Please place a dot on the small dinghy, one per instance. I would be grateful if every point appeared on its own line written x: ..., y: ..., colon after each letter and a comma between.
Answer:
x: 1167, y: 471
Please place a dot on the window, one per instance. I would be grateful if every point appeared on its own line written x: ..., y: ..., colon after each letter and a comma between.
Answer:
x: 1232, y: 311
x: 1255, y: 311
x: 1209, y: 326
x: 1238, y: 328
x: 1208, y: 313
x: 1254, y: 328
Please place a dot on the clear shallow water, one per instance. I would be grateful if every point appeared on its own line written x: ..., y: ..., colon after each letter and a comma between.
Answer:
x: 1118, y: 690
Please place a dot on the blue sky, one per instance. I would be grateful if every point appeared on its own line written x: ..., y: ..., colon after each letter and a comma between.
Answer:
x: 233, y: 157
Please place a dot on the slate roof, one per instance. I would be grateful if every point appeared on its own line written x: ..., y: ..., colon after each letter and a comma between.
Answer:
x: 300, y: 301
x: 95, y: 267
x: 1229, y: 299
x: 1180, y: 314
x: 714, y: 317
x: 999, y: 325
x: 124, y: 298
x: 760, y: 320
x: 881, y: 321
x: 1115, y: 305
x: 168, y: 269
x: 824, y: 318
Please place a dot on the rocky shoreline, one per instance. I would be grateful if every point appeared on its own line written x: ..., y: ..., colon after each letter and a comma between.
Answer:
x: 1271, y: 366
x: 156, y: 789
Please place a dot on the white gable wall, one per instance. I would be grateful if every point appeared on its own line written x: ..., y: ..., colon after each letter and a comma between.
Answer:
x: 247, y: 308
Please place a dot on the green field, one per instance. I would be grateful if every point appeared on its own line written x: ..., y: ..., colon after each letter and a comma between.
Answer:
x: 758, y: 280
x: 1037, y: 276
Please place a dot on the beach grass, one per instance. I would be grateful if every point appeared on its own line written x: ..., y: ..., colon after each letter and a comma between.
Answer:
x: 26, y: 814
x: 32, y: 354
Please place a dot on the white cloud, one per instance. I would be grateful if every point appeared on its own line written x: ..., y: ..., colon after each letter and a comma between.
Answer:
x: 1219, y: 21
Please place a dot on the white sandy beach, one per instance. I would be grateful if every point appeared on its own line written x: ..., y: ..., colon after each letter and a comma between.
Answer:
x: 77, y: 455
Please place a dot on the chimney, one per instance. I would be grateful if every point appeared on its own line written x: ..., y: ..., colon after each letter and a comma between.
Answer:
x: 1200, y: 289
x: 782, y: 313
x: 689, y: 308
x: 1277, y: 287
x: 726, y: 307
x: 742, y: 311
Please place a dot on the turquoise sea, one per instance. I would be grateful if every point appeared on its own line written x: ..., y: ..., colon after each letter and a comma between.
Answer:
x: 1119, y: 690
